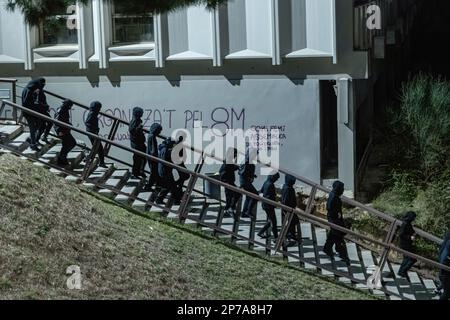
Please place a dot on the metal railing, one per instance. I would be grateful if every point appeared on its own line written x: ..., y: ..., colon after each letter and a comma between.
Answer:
x: 315, y: 187
x: 305, y: 215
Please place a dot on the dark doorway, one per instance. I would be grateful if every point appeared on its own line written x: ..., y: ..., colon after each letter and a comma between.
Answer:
x: 328, y: 130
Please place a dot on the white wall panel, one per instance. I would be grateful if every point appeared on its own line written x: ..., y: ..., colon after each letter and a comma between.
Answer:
x: 190, y: 34
x: 250, y: 29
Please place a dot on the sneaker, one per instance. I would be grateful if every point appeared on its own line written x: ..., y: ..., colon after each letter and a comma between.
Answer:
x: 345, y: 259
x: 35, y: 148
x: 329, y: 253
x: 227, y: 214
x: 63, y: 162
x: 103, y: 165
x: 402, y: 274
x: 263, y: 236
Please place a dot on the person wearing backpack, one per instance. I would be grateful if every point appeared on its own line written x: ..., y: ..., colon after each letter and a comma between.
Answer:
x: 269, y: 192
x: 165, y: 173
x: 407, y: 236
x: 246, y: 176
x: 68, y: 141
x: 30, y: 96
x: 227, y: 174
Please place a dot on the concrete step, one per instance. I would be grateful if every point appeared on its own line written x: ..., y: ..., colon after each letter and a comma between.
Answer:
x: 115, y: 181
x: 9, y: 132
x: 131, y: 189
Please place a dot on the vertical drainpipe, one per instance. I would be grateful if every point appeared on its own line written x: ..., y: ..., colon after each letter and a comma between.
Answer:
x: 346, y: 134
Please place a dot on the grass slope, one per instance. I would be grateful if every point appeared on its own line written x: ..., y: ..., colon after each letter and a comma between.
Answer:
x: 47, y: 225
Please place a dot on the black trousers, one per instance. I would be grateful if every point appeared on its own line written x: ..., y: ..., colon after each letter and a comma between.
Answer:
x: 34, y: 125
x: 153, y: 180
x: 232, y: 198
x: 250, y: 203
x: 292, y: 231
x: 407, y: 264
x: 44, y: 127
x: 100, y: 150
x: 68, y: 143
x: 168, y: 184
x: 139, y: 162
x: 271, y: 223
x: 445, y: 283
x: 335, y: 238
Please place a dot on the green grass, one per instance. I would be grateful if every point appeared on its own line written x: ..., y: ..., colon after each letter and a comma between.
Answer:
x: 47, y: 224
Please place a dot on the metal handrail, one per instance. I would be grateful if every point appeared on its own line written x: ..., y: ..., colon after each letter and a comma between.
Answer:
x: 312, y: 184
x: 300, y: 213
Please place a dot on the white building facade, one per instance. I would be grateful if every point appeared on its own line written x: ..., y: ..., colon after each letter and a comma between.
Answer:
x: 307, y: 67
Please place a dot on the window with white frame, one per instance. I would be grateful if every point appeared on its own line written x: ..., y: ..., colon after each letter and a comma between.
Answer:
x: 131, y: 27
x: 59, y: 29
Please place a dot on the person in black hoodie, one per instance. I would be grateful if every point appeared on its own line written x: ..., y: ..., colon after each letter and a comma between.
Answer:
x: 289, y: 199
x: 183, y: 176
x: 269, y: 192
x: 43, y: 108
x: 335, y: 216
x: 407, y: 237
x: 247, y: 176
x: 227, y: 174
x: 444, y: 276
x: 93, y: 127
x: 152, y: 150
x: 68, y: 141
x: 137, y: 138
x: 30, y: 101
x: 165, y: 172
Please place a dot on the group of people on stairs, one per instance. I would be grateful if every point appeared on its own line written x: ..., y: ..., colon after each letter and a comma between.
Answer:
x: 162, y: 180
x: 34, y: 98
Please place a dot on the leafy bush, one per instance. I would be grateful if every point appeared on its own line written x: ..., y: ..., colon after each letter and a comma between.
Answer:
x: 423, y: 118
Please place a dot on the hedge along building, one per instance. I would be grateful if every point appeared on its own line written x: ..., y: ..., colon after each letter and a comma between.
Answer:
x: 310, y: 68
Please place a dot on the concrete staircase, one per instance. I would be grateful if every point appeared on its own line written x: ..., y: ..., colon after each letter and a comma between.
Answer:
x: 306, y: 255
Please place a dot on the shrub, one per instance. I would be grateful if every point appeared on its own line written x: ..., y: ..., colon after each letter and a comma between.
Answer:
x: 424, y: 119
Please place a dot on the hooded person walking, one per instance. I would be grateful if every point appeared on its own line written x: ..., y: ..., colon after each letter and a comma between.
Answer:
x: 444, y: 276
x: 43, y: 108
x: 407, y: 237
x: 246, y: 176
x: 137, y: 139
x: 227, y: 174
x: 93, y: 127
x: 165, y: 173
x: 269, y: 192
x: 152, y: 150
x: 68, y: 141
x: 289, y: 199
x: 30, y: 101
x: 334, y: 214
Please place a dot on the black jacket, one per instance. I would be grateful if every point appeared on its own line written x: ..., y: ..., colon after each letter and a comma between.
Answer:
x: 165, y: 153
x: 92, y: 118
x: 152, y: 142
x: 63, y: 115
x: 228, y: 173
x: 407, y: 231
x: 288, y: 195
x: 268, y: 190
x: 334, y: 204
x: 137, y: 136
x: 31, y: 99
